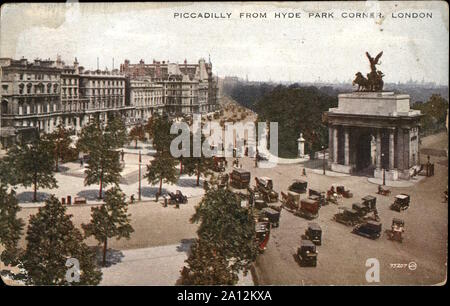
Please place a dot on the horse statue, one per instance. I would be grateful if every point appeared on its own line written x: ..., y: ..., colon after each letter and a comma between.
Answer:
x: 362, y: 82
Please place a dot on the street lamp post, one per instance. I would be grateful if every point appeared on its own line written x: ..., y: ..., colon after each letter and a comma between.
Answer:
x: 139, y: 191
x: 323, y: 157
x: 384, y: 170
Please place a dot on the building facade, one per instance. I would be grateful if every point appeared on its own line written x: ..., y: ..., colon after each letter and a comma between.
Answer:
x: 187, y: 88
x: 146, y: 99
x: 38, y: 96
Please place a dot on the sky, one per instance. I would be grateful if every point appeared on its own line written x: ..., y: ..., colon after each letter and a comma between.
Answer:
x: 304, y: 49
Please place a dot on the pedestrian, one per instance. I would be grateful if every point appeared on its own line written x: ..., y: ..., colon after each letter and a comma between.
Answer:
x: 123, y: 154
x: 304, y: 172
x: 157, y: 196
x: 81, y: 162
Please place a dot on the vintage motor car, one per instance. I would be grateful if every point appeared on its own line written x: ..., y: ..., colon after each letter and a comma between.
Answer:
x: 299, y: 186
x: 290, y: 201
x: 401, y: 202
x: 320, y: 195
x: 260, y: 204
x: 262, y: 234
x: 272, y: 215
x: 343, y: 191
x: 177, y: 198
x: 349, y: 217
x: 397, y: 230
x: 309, y: 209
x: 219, y: 163
x: 360, y: 209
x: 314, y: 233
x: 307, y: 253
x: 370, y: 202
x: 369, y: 229
x: 265, y: 186
x: 240, y: 178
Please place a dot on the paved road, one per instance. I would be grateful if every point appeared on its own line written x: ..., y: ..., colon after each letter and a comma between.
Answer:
x: 156, y: 266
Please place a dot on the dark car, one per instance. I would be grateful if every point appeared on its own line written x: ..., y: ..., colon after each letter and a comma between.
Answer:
x: 314, y: 233
x: 299, y: 186
x: 272, y: 215
x: 370, y: 202
x: 307, y: 253
x: 369, y: 229
x: 401, y: 202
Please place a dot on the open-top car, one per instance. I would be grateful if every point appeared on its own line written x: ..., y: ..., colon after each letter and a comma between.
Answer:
x: 369, y: 229
x: 262, y: 234
x: 307, y: 253
x: 299, y: 186
x: 397, y: 230
x: 401, y: 202
x: 318, y: 195
x: 314, y: 233
x: 291, y: 201
x: 265, y: 186
x: 349, y: 217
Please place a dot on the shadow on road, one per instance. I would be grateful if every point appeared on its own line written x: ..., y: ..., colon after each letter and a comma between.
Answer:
x: 151, y: 191
x: 27, y: 196
x: 112, y: 256
x: 91, y: 194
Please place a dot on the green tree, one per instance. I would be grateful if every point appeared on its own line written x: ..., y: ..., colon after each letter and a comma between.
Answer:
x: 296, y: 109
x: 32, y: 165
x: 161, y: 133
x: 103, y: 168
x: 197, y: 165
x: 137, y: 133
x: 434, y: 113
x: 162, y: 169
x: 51, y: 240
x: 228, y: 228
x: 104, y: 165
x: 58, y: 144
x: 109, y: 220
x: 10, y: 226
x: 207, y: 266
x: 115, y: 133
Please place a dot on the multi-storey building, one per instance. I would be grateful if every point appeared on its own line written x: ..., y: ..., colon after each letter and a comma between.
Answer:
x: 30, y: 97
x: 146, y: 99
x: 102, y: 93
x: 38, y: 96
x: 187, y: 88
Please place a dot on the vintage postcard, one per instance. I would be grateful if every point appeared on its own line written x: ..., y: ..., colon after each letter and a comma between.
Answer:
x: 224, y: 143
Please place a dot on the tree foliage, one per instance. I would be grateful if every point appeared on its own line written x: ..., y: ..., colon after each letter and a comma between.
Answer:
x: 10, y: 226
x: 58, y: 144
x: 137, y: 133
x: 296, y: 109
x: 51, y: 240
x: 160, y: 130
x: 229, y: 231
x: 104, y: 167
x: 109, y: 220
x: 162, y: 170
x: 30, y: 165
x: 434, y: 113
x: 207, y: 266
x: 201, y: 165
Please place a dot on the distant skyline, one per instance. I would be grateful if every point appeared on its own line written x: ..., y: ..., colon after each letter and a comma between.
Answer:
x: 282, y: 50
